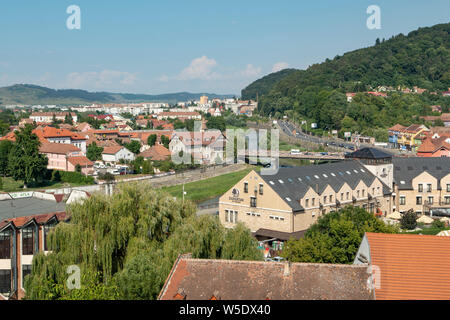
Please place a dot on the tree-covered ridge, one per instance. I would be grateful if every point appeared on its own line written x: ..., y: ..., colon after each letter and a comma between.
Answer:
x: 263, y: 85
x: 422, y: 58
x: 125, y: 245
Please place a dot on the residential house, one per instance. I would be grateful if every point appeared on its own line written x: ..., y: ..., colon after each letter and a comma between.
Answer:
x: 435, y: 147
x: 156, y: 152
x: 116, y: 153
x: 65, y: 157
x: 47, y: 117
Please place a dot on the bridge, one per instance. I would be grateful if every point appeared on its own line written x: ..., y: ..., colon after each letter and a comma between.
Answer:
x: 317, y: 156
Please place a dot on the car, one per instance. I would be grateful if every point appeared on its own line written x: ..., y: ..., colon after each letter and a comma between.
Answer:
x: 324, y: 153
x: 277, y: 259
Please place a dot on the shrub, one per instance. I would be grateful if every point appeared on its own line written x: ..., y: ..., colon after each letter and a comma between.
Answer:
x: 76, y: 177
x: 56, y: 176
x: 408, y: 220
x: 438, y: 224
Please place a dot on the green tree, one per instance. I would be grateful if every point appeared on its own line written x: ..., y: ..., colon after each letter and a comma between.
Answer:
x: 134, y: 146
x: 409, y: 220
x: 335, y: 237
x: 93, y: 152
x: 24, y: 160
x: 78, y: 168
x: 165, y: 141
x: 151, y: 140
x: 5, y: 149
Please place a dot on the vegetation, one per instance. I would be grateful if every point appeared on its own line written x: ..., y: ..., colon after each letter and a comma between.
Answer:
x: 409, y: 220
x: 125, y: 245
x: 24, y: 160
x: 93, y: 152
x: 151, y: 140
x: 318, y: 94
x: 134, y: 146
x: 335, y: 237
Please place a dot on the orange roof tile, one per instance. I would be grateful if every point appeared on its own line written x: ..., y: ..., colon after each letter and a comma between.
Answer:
x: 58, y: 148
x: 411, y: 266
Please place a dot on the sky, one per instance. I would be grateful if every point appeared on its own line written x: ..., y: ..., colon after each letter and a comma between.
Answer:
x: 155, y: 47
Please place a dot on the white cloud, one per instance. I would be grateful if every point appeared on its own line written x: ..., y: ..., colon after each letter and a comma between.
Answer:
x: 163, y: 78
x: 251, y: 71
x: 199, y: 68
x: 100, y: 80
x: 279, y: 66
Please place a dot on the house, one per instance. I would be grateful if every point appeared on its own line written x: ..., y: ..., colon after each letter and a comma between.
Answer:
x: 206, y: 147
x: 411, y: 137
x: 156, y: 152
x: 83, y: 127
x: 435, y: 147
x: 179, y: 115
x: 54, y: 135
x: 65, y: 157
x: 350, y: 96
x: 394, y: 133
x: 47, y: 117
x: 407, y: 266
x: 208, y: 279
x: 116, y: 153
x: 20, y: 239
x: 286, y: 204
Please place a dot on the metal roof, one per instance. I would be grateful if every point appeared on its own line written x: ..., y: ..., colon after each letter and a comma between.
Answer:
x: 406, y: 169
x: 369, y: 153
x: 28, y: 207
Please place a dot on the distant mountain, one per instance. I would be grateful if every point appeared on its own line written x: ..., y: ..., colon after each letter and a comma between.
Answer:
x: 35, y: 95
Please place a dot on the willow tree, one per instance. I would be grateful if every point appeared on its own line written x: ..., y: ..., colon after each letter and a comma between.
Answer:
x: 126, y: 244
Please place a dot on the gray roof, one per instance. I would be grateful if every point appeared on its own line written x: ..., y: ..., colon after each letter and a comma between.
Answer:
x: 369, y: 153
x: 406, y: 169
x: 296, y: 181
x: 27, y: 207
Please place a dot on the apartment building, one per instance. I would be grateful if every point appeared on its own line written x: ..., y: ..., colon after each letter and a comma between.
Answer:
x: 422, y: 184
x: 20, y: 239
x: 47, y: 117
x: 288, y: 203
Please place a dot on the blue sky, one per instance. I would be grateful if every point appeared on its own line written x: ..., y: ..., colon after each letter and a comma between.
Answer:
x: 153, y: 47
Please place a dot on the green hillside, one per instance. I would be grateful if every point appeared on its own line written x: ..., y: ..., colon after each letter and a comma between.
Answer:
x: 263, y: 85
x: 422, y: 59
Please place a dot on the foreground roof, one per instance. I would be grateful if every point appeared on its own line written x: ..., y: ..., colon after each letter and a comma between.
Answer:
x: 198, y: 279
x: 411, y: 266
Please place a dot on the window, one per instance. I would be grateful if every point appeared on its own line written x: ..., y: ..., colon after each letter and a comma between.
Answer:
x: 324, y: 199
x: 373, y: 190
x: 448, y: 187
x: 348, y: 195
x: 331, y: 198
x: 430, y: 200
x: 420, y: 187
x: 342, y: 196
x: 306, y: 203
x: 5, y: 245
x: 47, y: 229
x: 402, y: 200
x: 261, y: 188
x: 418, y: 200
x: 363, y: 193
x: 447, y: 200
x: 313, y: 202
x: 245, y: 187
x: 357, y: 194
x: 27, y: 241
x: 231, y: 216
x: 429, y: 187
x: 253, y: 202
x: 5, y: 281
x: 26, y: 270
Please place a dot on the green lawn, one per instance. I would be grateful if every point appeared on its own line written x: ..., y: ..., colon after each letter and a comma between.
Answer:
x: 203, y: 190
x: 428, y: 231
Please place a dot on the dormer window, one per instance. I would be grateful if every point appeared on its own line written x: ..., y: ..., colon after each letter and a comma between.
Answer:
x: 28, y: 241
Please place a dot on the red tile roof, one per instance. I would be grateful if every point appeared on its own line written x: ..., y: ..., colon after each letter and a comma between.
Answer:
x: 58, y: 148
x: 40, y: 219
x: 198, y: 279
x: 81, y: 160
x: 411, y: 266
x: 112, y: 149
x: 157, y: 152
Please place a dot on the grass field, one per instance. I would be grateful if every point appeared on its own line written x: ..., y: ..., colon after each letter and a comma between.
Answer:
x: 428, y: 231
x: 203, y: 190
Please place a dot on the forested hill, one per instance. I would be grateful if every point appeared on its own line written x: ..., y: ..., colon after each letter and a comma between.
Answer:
x: 31, y: 94
x: 422, y: 58
x: 263, y: 85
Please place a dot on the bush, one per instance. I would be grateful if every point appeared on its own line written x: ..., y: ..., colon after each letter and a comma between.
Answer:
x: 56, y: 176
x: 76, y: 177
x: 408, y: 220
x: 108, y: 177
x: 438, y: 224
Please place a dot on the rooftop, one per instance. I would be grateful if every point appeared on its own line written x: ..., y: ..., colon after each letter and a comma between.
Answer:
x: 27, y: 207
x: 201, y: 279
